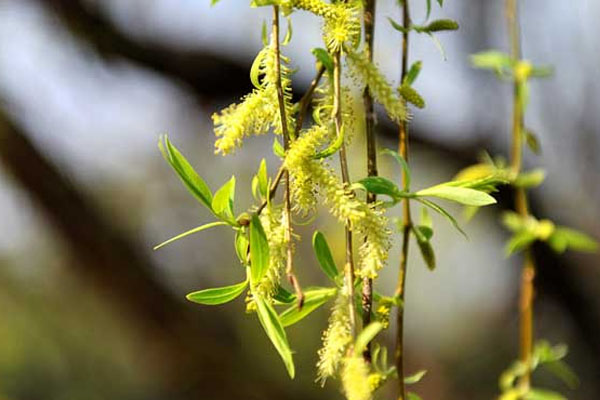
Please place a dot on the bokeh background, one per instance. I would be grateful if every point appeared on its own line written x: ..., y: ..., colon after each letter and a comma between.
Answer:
x: 89, y: 311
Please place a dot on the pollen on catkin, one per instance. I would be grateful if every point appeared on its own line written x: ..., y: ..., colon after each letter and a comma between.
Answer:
x: 259, y: 110
x: 380, y: 88
x: 302, y: 185
x: 273, y: 222
x: 341, y: 20
x: 355, y: 378
x: 336, y: 340
x: 367, y: 220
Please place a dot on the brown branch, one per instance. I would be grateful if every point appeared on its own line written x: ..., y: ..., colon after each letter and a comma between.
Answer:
x: 367, y: 289
x: 406, y: 220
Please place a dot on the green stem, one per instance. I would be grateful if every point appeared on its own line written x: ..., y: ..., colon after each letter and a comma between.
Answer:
x: 337, y: 110
x: 528, y: 271
x: 406, y: 220
x: 289, y: 270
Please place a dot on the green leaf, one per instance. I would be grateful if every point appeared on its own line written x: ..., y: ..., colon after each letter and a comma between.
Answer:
x: 441, y: 3
x: 274, y: 330
x: 324, y: 256
x: 366, y: 336
x: 428, y: 10
x: 425, y: 248
x: 438, y: 45
x: 263, y: 178
x: 217, y: 296
x: 381, y: 185
x: 412, y: 395
x: 222, y: 203
x: 191, y: 180
x: 324, y: 58
x: 438, y: 25
x: 542, y: 394
x: 283, y: 296
x: 191, y: 231
x: 494, y: 60
x: 563, y: 238
x: 413, y: 72
x: 530, y: 179
x: 313, y: 299
x: 563, y: 372
x: 519, y: 241
x: 402, y: 163
x: 398, y: 26
x: 465, y: 196
x: 241, y: 246
x: 259, y: 250
x: 437, y: 208
x: 532, y: 141
x: 264, y: 34
x: 415, y: 378
x: 425, y: 220
x: 288, y: 33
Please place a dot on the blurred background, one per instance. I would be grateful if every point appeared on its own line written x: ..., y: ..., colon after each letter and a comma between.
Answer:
x: 89, y: 311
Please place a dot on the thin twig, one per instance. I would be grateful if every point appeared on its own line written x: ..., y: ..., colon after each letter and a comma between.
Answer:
x: 406, y: 222
x: 337, y: 110
x: 289, y: 269
x: 367, y: 288
x: 305, y: 100
x: 528, y: 271
x: 303, y: 107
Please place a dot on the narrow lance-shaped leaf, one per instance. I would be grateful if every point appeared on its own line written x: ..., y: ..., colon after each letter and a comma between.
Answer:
x: 216, y: 296
x: 274, y: 330
x: 190, y: 232
x: 259, y: 250
x: 190, y: 178
x: 313, y: 299
x: 415, y: 378
x: 402, y: 163
x: 324, y: 256
x: 367, y: 335
x: 222, y: 202
x: 440, y: 210
x: 468, y: 197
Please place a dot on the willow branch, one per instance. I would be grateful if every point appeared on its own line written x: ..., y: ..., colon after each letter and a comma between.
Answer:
x: 367, y: 288
x: 337, y: 110
x: 406, y: 221
x: 303, y: 107
x: 289, y: 268
x: 521, y: 206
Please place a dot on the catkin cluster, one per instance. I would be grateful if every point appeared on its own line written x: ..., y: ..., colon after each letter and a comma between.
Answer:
x: 311, y: 176
x: 336, y: 339
x: 341, y: 20
x: 258, y: 111
x: 381, y: 90
x: 273, y: 221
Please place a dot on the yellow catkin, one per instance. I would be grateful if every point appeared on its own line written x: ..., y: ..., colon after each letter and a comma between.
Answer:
x: 367, y: 220
x: 258, y: 111
x: 272, y: 220
x: 336, y: 340
x: 380, y: 88
x: 355, y: 378
x: 341, y: 20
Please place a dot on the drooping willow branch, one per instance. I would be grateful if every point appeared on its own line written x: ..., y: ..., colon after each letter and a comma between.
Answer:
x: 304, y: 103
x: 338, y: 119
x: 369, y: 25
x: 528, y: 271
x: 289, y: 270
x: 406, y: 219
